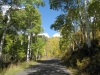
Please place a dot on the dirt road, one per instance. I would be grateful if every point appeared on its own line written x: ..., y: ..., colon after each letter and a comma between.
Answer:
x: 46, y: 67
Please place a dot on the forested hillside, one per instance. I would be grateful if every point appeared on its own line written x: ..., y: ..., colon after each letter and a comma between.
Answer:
x: 80, y: 30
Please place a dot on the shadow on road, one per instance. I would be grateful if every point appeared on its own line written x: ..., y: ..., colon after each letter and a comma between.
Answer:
x: 48, y: 67
x: 50, y: 61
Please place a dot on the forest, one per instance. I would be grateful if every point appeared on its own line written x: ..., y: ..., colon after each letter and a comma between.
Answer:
x: 80, y: 30
x: 79, y: 44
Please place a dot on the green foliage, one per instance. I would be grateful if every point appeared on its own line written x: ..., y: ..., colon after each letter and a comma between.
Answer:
x: 73, y: 28
x: 8, y: 44
x: 83, y: 63
x: 33, y: 19
x: 37, y: 47
x: 81, y: 60
x: 34, y: 2
x: 21, y: 54
x: 59, y: 23
x: 62, y: 4
x: 22, y: 21
x: 17, y: 19
x: 52, y: 47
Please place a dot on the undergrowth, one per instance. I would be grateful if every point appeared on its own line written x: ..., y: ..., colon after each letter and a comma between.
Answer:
x: 84, y: 61
x: 13, y: 69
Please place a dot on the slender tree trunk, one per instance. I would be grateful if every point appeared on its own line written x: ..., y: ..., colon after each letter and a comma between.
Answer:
x: 30, y: 53
x: 73, y: 46
x: 45, y: 53
x: 87, y: 25
x: 37, y: 54
x: 81, y: 21
x: 84, y: 33
x: 2, y: 39
x: 83, y: 26
x: 12, y: 56
x: 94, y: 28
x: 1, y: 45
x: 28, y: 48
x: 76, y: 41
x: 78, y: 44
x: 93, y: 32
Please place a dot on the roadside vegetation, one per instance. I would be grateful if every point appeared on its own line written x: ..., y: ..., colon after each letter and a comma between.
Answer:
x: 78, y: 46
x: 19, y: 40
x: 13, y: 69
x: 80, y: 30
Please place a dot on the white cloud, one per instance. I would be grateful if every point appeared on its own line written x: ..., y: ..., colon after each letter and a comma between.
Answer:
x: 57, y: 35
x: 45, y: 34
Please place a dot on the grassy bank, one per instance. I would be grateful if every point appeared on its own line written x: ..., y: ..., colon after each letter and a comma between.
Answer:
x: 13, y: 69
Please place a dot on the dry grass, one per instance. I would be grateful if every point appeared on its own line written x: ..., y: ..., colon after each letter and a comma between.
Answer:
x: 73, y: 71
x: 13, y: 69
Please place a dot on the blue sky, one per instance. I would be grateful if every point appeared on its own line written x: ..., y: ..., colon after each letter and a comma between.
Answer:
x: 48, y: 18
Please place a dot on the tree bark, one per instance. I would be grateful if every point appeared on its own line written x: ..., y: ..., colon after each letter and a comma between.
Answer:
x: 76, y: 40
x: 87, y: 25
x: 82, y: 22
x: 2, y: 39
x: 94, y: 28
x: 28, y: 48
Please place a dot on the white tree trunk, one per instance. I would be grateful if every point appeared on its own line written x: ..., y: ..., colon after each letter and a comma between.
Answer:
x: 76, y: 41
x: 82, y: 22
x: 73, y: 47
x: 37, y: 54
x: 30, y: 52
x: 3, y: 37
x: 87, y: 25
x: 78, y: 45
x: 45, y: 52
x: 1, y: 45
x: 28, y: 47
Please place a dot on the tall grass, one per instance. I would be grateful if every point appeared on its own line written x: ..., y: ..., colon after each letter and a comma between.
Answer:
x: 13, y: 69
